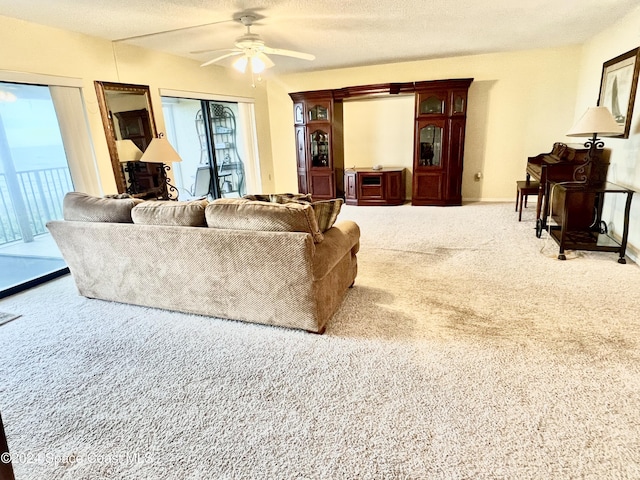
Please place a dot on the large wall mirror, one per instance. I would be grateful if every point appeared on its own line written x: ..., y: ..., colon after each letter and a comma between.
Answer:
x: 128, y: 124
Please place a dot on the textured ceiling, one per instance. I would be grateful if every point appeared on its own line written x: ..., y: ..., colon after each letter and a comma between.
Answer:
x: 340, y: 33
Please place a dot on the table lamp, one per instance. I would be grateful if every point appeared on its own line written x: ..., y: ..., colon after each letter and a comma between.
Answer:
x: 595, y: 121
x: 161, y: 151
x: 128, y: 151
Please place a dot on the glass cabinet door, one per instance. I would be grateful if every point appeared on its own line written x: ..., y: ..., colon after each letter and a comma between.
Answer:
x: 318, y: 111
x: 458, y: 103
x: 300, y: 148
x: 319, y: 146
x: 298, y: 113
x: 430, y: 146
x: 432, y: 103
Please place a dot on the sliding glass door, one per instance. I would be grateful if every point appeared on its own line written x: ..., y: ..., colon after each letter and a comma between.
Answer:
x: 34, y: 177
x: 214, y: 140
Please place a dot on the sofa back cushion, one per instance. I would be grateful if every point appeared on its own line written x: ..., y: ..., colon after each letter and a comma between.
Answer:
x: 182, y: 214
x: 243, y: 214
x: 80, y: 207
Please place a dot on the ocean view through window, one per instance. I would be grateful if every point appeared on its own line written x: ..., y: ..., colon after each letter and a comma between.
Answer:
x: 34, y: 177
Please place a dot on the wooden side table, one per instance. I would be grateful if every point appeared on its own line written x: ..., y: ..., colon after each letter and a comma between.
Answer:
x: 577, y: 210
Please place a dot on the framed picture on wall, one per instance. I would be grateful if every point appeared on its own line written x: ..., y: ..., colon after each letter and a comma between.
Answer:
x: 618, y: 87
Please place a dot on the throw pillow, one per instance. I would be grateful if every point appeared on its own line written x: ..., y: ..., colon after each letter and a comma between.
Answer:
x: 80, y: 207
x: 118, y: 195
x: 326, y: 212
x: 280, y: 197
x: 158, y: 212
x: 244, y: 214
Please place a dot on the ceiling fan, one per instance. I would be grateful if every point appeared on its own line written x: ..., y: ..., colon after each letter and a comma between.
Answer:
x: 253, y: 51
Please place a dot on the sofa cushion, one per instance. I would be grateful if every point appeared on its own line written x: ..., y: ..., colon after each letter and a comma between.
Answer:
x: 244, y: 214
x: 158, y: 212
x: 81, y: 207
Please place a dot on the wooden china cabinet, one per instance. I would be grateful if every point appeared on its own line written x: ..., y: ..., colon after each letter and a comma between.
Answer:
x: 319, y: 144
x: 441, y: 114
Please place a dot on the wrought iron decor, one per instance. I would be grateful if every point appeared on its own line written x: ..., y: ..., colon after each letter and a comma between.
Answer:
x: 618, y: 87
x: 225, y: 175
x: 149, y: 180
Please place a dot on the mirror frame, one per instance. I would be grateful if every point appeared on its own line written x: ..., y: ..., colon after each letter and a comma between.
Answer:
x: 107, y: 122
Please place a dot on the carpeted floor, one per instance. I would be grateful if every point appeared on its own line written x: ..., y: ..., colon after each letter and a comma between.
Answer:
x: 466, y: 350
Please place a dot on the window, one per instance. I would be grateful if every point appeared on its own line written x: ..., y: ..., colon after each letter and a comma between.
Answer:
x: 41, y: 128
x: 216, y: 143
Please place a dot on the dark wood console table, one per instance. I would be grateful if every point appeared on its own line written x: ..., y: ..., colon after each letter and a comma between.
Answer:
x: 366, y: 186
x: 577, y: 210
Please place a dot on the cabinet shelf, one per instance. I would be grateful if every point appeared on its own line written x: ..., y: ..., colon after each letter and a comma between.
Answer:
x: 585, y: 240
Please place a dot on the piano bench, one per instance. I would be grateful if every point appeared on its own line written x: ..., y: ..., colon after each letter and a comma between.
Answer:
x: 525, y: 188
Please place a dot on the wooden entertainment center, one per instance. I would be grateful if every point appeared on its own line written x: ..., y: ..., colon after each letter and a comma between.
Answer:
x: 439, y: 131
x: 367, y: 186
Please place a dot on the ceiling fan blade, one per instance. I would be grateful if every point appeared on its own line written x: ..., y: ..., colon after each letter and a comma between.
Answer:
x: 268, y: 63
x: 289, y: 53
x: 145, y: 35
x: 221, y: 57
x: 214, y: 50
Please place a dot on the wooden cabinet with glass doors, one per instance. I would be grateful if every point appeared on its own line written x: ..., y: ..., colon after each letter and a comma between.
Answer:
x: 441, y: 110
x: 440, y: 118
x: 319, y: 144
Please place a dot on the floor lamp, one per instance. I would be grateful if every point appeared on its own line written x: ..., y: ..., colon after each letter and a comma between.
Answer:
x: 161, y: 151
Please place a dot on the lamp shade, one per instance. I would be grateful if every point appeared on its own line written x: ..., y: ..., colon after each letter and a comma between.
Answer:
x: 128, y: 151
x: 160, y: 151
x: 241, y: 63
x: 596, y: 121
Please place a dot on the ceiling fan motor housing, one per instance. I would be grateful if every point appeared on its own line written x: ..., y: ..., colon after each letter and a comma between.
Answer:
x: 250, y: 41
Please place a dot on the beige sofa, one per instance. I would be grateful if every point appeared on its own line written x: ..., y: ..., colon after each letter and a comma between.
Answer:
x: 237, y: 259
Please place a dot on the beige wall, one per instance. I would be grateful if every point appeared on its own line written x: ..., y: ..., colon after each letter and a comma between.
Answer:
x: 31, y: 48
x: 625, y: 153
x: 519, y: 104
x: 380, y: 132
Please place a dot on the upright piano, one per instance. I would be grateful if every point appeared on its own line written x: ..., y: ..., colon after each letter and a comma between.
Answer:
x: 565, y: 163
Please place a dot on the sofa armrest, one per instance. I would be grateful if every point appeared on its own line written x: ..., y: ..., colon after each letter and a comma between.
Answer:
x: 341, y: 239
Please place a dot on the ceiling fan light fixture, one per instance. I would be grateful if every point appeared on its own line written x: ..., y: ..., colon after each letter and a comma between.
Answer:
x: 256, y: 63
x: 251, y: 51
x: 241, y: 64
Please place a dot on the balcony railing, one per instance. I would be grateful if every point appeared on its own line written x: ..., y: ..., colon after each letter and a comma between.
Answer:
x: 40, y: 200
